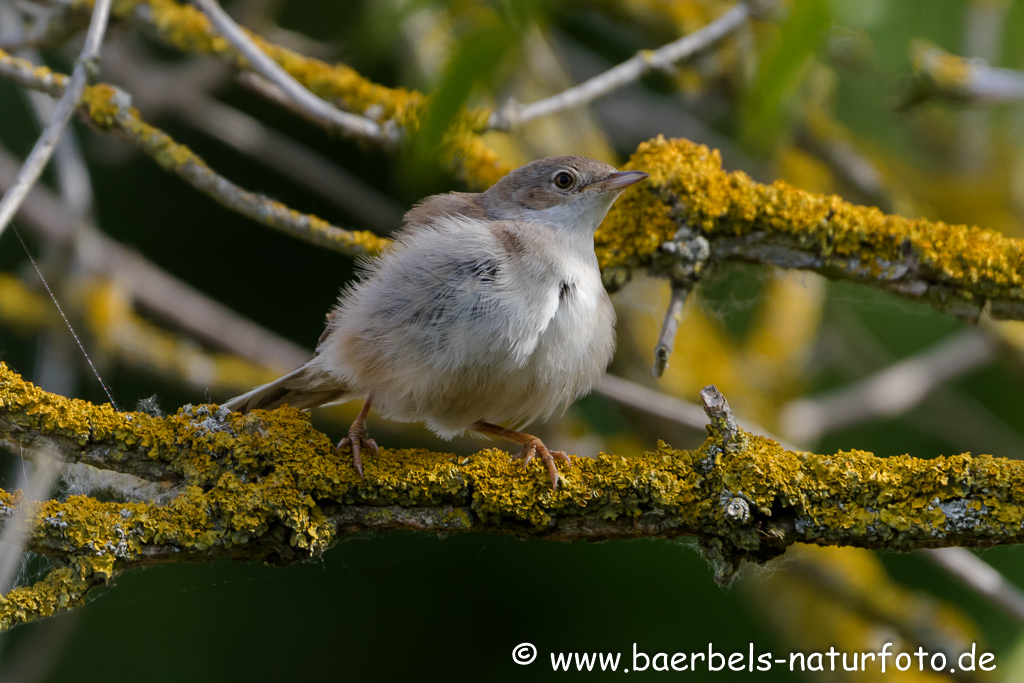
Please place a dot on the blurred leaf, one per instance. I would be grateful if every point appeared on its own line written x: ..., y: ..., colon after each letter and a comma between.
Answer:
x: 767, y: 105
x: 477, y: 63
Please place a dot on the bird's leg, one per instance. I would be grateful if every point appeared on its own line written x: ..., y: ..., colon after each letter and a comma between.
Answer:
x: 358, y: 439
x: 532, y: 446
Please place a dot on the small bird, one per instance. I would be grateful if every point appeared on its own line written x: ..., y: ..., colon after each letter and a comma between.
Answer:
x: 487, y: 313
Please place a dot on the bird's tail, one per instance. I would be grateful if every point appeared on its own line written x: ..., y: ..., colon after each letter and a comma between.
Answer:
x: 306, y: 387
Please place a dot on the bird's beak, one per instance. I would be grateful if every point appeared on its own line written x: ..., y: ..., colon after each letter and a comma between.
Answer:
x: 618, y: 181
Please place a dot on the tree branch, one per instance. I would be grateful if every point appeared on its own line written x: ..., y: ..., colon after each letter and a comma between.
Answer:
x: 954, y: 268
x: 48, y: 139
x: 109, y: 109
x: 939, y: 74
x: 514, y: 114
x: 257, y: 60
x: 892, y: 391
x: 267, y: 486
x: 187, y: 29
x: 153, y: 288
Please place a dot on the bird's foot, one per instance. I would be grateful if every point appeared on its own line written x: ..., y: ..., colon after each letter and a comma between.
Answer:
x: 358, y: 441
x: 534, y: 447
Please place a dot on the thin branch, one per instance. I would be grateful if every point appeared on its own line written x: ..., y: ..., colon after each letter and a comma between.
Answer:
x: 650, y: 401
x: 14, y: 537
x: 153, y: 288
x: 514, y: 114
x: 958, y: 269
x: 47, y: 141
x: 182, y: 91
x: 668, y: 407
x: 55, y: 365
x: 261, y: 63
x: 686, y: 256
x: 313, y: 171
x: 981, y: 578
x: 670, y: 327
x: 940, y: 74
x: 890, y: 392
x: 109, y: 109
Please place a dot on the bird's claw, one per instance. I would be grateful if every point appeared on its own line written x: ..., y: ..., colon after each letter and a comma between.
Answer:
x: 535, y: 447
x: 357, y: 440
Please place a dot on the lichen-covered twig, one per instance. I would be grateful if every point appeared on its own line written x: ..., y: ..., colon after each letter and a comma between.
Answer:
x: 109, y: 109
x: 267, y: 486
x: 259, y: 61
x: 187, y: 29
x: 943, y: 75
x: 69, y: 100
x: 153, y: 288
x: 513, y: 114
x: 955, y: 268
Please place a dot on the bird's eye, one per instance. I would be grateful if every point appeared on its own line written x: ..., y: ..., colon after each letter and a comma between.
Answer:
x: 563, y: 180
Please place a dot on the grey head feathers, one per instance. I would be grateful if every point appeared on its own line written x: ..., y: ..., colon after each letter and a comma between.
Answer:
x: 565, y: 192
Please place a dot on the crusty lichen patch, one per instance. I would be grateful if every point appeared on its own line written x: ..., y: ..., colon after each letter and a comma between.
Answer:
x: 956, y: 267
x: 268, y: 486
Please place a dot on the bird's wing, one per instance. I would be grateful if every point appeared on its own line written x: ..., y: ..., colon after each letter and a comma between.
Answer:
x: 456, y: 294
x: 437, y: 206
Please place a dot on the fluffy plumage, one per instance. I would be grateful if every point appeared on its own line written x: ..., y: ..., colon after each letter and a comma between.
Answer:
x: 489, y: 308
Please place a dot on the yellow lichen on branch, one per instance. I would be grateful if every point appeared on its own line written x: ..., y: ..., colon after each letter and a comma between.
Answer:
x: 268, y: 486
x: 959, y: 269
x: 956, y: 268
x: 188, y: 29
x: 109, y: 109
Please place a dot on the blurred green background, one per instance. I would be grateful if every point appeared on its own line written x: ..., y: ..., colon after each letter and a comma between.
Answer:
x: 402, y: 605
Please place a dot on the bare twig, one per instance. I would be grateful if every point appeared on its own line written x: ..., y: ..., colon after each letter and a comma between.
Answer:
x: 981, y: 578
x: 650, y: 401
x: 513, y: 114
x: 668, y: 407
x: 313, y: 171
x: 65, y: 108
x: 182, y: 91
x: 686, y: 257
x: 889, y: 392
x: 152, y: 287
x: 15, y: 534
x: 115, y: 115
x: 55, y: 367
x: 296, y: 92
x: 670, y: 327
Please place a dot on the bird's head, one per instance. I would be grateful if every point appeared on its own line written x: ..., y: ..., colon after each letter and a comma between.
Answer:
x: 567, y: 192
